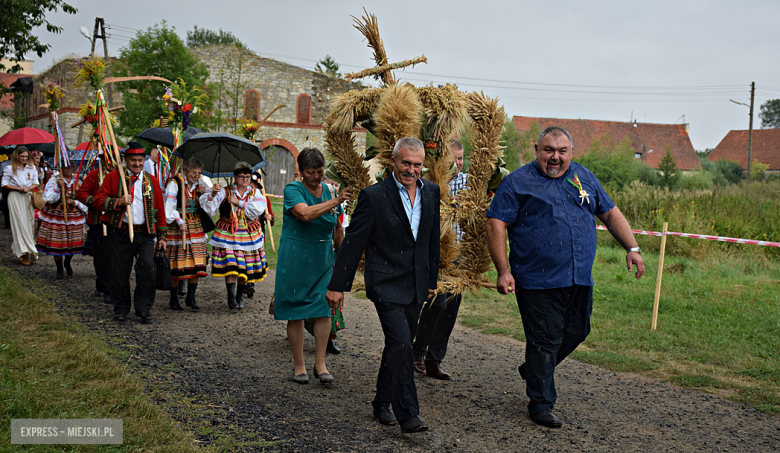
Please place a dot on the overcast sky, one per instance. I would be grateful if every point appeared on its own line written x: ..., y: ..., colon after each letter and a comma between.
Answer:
x: 653, y: 61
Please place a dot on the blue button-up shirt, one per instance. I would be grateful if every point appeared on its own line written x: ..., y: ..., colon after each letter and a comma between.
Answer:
x: 413, y: 211
x: 552, y: 237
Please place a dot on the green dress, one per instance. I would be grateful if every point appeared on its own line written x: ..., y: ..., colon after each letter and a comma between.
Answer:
x: 305, y: 261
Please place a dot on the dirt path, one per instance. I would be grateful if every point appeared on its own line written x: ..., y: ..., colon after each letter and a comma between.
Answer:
x: 237, y: 367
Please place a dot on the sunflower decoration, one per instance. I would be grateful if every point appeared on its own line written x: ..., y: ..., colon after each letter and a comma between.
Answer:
x: 92, y: 70
x: 182, y: 101
x: 52, y: 93
x: 247, y: 129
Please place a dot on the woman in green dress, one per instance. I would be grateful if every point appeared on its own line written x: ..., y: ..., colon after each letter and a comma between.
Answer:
x: 311, y: 234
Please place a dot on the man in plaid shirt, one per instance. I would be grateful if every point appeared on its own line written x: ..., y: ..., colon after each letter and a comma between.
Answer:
x: 437, y: 319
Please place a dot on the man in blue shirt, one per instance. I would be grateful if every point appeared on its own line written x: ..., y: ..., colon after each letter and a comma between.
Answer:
x: 548, y: 207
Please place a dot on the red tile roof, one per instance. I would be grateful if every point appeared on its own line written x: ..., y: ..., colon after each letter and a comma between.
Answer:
x: 734, y: 146
x: 656, y: 136
x: 6, y: 102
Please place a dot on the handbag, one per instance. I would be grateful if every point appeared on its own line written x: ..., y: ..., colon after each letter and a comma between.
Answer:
x: 36, y: 199
x: 206, y: 221
x: 163, y: 265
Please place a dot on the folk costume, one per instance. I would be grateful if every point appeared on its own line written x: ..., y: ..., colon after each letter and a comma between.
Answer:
x: 148, y: 222
x: 60, y: 236
x: 97, y: 244
x: 21, y: 211
x: 237, y: 241
x: 188, y: 260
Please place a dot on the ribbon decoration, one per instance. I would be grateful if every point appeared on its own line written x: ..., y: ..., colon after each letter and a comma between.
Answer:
x: 578, y: 185
x: 64, y: 160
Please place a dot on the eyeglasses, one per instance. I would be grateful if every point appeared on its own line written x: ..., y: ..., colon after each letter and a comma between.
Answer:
x: 243, y: 177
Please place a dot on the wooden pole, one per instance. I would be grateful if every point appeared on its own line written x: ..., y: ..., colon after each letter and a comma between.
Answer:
x: 119, y: 167
x: 100, y: 180
x: 656, y: 301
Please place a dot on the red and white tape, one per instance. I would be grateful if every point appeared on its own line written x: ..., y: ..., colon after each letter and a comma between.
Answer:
x: 702, y: 236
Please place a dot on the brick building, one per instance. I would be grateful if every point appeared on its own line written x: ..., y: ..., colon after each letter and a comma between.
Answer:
x: 648, y: 136
x: 766, y: 148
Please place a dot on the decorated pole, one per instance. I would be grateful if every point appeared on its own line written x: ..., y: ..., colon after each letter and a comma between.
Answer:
x: 118, y: 157
x: 268, y: 224
x: 58, y: 162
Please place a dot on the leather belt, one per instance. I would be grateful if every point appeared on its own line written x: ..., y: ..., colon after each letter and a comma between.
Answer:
x: 136, y: 228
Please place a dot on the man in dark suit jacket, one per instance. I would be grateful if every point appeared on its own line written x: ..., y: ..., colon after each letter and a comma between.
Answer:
x: 396, y: 223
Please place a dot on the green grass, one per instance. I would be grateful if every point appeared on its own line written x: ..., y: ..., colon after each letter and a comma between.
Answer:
x: 718, y: 324
x: 51, y: 368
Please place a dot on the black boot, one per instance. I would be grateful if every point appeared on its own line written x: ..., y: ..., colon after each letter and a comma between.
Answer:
x: 239, y: 296
x: 231, y: 290
x: 58, y: 262
x: 180, y: 288
x: 68, y: 269
x: 250, y: 290
x: 190, y: 300
x: 174, y: 303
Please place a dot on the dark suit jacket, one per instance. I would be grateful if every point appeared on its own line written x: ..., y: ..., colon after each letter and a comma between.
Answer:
x: 398, y: 268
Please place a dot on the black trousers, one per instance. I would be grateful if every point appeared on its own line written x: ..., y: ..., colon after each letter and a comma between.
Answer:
x: 436, y: 323
x: 555, y: 322
x: 101, y: 257
x: 4, y: 207
x: 395, y: 383
x: 123, y: 252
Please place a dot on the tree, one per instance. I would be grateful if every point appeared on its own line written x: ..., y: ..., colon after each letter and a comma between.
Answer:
x: 668, y: 169
x: 227, y: 90
x: 16, y: 24
x: 200, y: 37
x: 770, y: 114
x: 328, y: 66
x: 526, y: 142
x: 510, y: 139
x: 158, y: 51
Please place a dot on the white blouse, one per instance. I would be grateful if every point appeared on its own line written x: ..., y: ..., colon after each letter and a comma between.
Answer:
x: 26, y: 177
x: 172, y: 197
x: 253, y: 206
x: 51, y: 194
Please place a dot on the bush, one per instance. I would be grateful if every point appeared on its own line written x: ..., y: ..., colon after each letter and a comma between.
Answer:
x: 730, y: 170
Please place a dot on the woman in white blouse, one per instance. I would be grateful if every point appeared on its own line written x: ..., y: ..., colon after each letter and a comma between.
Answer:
x: 187, y: 253
x: 62, y: 219
x: 237, y: 251
x: 21, y: 178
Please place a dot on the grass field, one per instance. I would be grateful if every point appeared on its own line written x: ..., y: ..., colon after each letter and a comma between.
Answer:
x: 51, y: 368
x: 718, y: 325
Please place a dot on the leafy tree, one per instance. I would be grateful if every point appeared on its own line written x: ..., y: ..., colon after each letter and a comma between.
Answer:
x: 668, y: 169
x: 614, y: 164
x: 200, y: 37
x: 770, y: 114
x: 16, y: 24
x: 730, y: 170
x: 328, y: 66
x: 510, y: 139
x: 227, y: 90
x: 157, y: 51
x: 758, y: 171
x: 526, y: 142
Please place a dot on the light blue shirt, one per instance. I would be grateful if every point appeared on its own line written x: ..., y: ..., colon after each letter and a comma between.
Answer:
x: 413, y: 211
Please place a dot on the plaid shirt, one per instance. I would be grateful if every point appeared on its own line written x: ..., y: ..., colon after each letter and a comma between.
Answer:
x: 458, y: 183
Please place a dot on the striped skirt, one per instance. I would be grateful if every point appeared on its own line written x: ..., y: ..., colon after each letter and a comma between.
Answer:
x: 241, y: 253
x: 187, y: 262
x: 58, y: 237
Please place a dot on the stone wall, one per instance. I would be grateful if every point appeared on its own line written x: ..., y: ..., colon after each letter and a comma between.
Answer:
x: 276, y: 82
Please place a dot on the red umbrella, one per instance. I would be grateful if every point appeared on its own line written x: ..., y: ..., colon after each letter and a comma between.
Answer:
x: 82, y: 146
x: 25, y: 136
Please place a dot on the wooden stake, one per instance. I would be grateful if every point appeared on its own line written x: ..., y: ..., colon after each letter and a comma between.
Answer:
x: 119, y: 167
x: 656, y: 301
x: 100, y: 180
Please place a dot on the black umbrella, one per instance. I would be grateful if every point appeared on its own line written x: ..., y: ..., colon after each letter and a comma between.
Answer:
x: 220, y: 152
x: 163, y: 136
x: 45, y: 148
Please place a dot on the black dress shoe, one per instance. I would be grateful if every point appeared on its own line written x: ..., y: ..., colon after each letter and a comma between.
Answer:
x: 419, y: 363
x: 414, y: 425
x: 547, y: 419
x: 332, y: 348
x: 383, y: 415
x: 521, y: 370
x: 120, y: 318
x: 433, y: 370
x: 146, y: 317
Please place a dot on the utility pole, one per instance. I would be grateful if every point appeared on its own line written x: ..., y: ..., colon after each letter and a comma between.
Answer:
x: 750, y: 134
x: 101, y: 24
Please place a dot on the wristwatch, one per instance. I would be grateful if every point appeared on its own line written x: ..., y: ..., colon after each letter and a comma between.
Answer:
x: 634, y: 249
